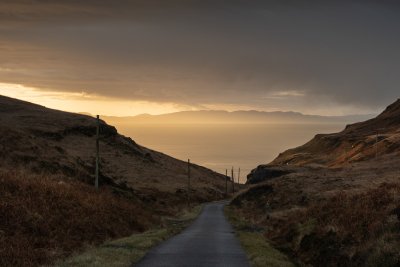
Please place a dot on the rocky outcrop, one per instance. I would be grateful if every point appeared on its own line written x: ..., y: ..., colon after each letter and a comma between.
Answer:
x: 264, y: 173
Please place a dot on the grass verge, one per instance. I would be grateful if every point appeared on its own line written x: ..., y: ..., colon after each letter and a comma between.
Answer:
x: 129, y: 250
x: 258, y: 250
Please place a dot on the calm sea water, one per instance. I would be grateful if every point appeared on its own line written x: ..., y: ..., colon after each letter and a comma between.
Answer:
x: 219, y: 147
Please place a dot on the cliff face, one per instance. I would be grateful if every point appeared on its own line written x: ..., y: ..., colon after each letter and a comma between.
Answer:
x: 62, y: 144
x: 357, y: 142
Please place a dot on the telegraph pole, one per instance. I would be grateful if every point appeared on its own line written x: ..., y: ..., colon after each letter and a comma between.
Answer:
x: 96, y: 182
x: 188, y: 193
x: 376, y: 146
x: 226, y: 182
x: 233, y: 181
x: 239, y: 176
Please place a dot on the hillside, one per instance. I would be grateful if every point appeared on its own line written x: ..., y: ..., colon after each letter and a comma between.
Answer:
x: 333, y: 201
x: 60, y: 143
x: 43, y: 219
x: 357, y: 142
x: 49, y: 207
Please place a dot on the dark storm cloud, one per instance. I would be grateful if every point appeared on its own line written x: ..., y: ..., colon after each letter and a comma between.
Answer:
x: 255, y: 53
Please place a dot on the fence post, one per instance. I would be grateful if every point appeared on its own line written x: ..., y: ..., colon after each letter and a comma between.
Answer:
x: 376, y: 145
x: 188, y: 194
x: 233, y: 182
x: 226, y: 182
x: 239, y: 177
x: 96, y: 182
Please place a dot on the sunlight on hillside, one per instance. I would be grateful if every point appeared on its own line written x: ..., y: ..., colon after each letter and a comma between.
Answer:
x: 83, y: 102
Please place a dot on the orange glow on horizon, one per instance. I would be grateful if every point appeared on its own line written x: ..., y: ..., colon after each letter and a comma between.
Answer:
x: 109, y: 106
x: 83, y: 102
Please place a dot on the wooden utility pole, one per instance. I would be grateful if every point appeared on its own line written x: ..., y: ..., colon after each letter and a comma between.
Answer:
x: 376, y: 146
x: 188, y: 189
x: 226, y: 182
x: 239, y: 176
x: 233, y: 181
x: 96, y: 182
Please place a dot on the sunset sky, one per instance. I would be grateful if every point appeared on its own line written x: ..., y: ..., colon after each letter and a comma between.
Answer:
x: 126, y: 57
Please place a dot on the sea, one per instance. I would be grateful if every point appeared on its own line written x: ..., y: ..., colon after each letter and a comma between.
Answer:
x: 222, y: 147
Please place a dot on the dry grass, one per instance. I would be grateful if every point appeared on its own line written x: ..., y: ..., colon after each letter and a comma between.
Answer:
x: 129, y: 250
x: 348, y: 229
x: 42, y: 219
x: 259, y: 251
x: 359, y: 216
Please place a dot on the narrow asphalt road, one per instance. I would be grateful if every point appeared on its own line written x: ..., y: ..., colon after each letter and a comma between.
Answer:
x: 209, y: 241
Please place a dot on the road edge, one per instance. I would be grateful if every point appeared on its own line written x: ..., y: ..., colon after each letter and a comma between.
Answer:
x: 259, y: 251
x: 130, y: 250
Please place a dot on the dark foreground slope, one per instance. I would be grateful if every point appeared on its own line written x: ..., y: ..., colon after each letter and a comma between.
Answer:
x: 48, y: 205
x: 42, y: 219
x: 333, y: 201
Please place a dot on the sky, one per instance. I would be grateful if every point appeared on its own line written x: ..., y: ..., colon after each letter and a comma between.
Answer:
x: 126, y: 57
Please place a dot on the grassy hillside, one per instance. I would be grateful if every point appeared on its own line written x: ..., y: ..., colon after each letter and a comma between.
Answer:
x: 358, y: 142
x: 334, y: 201
x: 48, y: 141
x: 348, y: 229
x: 48, y: 205
x: 43, y: 218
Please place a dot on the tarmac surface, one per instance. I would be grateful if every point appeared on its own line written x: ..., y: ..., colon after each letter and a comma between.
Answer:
x: 210, y: 241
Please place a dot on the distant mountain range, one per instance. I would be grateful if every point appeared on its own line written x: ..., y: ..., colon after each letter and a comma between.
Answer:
x: 218, y: 116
